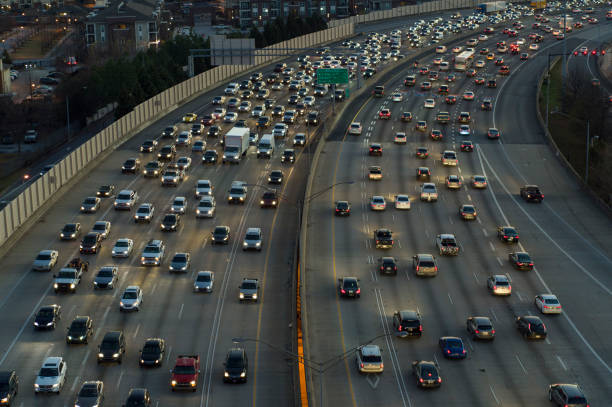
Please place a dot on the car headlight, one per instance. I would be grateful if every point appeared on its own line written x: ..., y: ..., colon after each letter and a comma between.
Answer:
x: 100, y: 355
x: 224, y: 156
x: 72, y: 285
x: 73, y: 235
x: 82, y: 337
x: 163, y: 226
x: 121, y: 303
x: 36, y: 386
x: 82, y: 208
x: 226, y: 374
x: 173, y: 382
x: 55, y: 285
x: 55, y: 385
x: 243, y: 374
x: 115, y: 355
x: 254, y: 296
x: 258, y: 151
x: 241, y: 295
x: 258, y: 244
x: 261, y: 202
x: 157, y: 259
x: 141, y: 360
x: 245, y: 244
x: 35, y: 323
x: 273, y: 202
x: 49, y: 323
x: 192, y: 383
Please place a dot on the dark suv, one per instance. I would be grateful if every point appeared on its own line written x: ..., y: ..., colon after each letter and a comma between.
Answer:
x: 313, y: 118
x: 236, y: 366
x: 167, y: 153
x: 112, y: 347
x: 9, y: 386
x: 91, y: 243
x: 343, y: 208
x: 531, y: 193
x: 383, y: 238
x: 80, y: 329
x: 407, y: 323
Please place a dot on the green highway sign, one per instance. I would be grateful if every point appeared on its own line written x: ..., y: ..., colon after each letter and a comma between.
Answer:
x: 332, y: 75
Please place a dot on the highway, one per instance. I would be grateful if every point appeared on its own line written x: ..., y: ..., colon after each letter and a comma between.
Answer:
x: 568, y: 236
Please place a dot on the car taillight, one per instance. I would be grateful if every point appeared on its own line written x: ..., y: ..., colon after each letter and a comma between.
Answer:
x: 529, y: 327
x: 531, y: 264
x: 337, y: 210
x: 477, y: 331
x: 395, y: 268
x: 463, y: 351
x: 381, y: 267
x: 439, y: 380
x: 378, y: 241
x: 343, y: 291
x: 420, y: 328
x: 544, y: 325
x: 417, y: 268
x: 362, y: 365
x: 517, y: 236
x: 546, y: 306
x: 448, y: 351
x: 494, y: 287
x: 505, y: 236
x: 421, y: 380
x: 399, y: 328
x: 436, y: 268
x: 358, y: 291
x: 493, y: 331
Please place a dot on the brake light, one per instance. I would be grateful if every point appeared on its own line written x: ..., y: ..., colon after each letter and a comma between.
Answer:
x: 494, y: 287
x: 493, y: 331
x: 477, y: 331
x: 399, y: 328
x: 505, y: 236
x: 358, y: 291
x: 546, y: 306
x: 463, y: 351
x: 436, y: 268
x: 417, y: 268
x: 382, y: 365
x: 531, y: 264
x: 594, y: 52
x: 420, y: 328
x: 395, y: 268
x: 544, y: 325
x: 362, y: 365
x: 448, y: 351
x: 343, y: 291
x: 529, y: 327
x: 575, y: 52
x: 381, y: 267
x: 421, y: 380
x: 439, y: 380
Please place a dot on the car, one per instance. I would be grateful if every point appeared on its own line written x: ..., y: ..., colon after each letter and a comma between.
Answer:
x: 368, y: 359
x: 384, y: 114
x: 423, y: 173
x: 452, y: 347
x: 531, y: 193
x: 236, y: 366
x: 349, y: 287
x: 197, y: 129
x: 470, y: 73
x: 214, y: 131
x: 534, y: 47
x: 249, y: 290
x: 106, y: 278
x: 443, y: 117
x: 275, y: 177
x: 91, y: 204
x: 449, y: 158
x: 453, y: 182
x: 152, y: 169
x: 479, y: 64
x: 203, y: 187
x: 375, y: 173
x: 429, y: 103
x: 443, y: 90
x: 105, y: 191
x: 210, y: 157
x: 269, y: 199
x: 45, y: 260
x: 468, y: 95
x: 206, y: 207
x: 138, y: 398
x: 47, y: 317
x: 280, y: 130
x: 499, y: 284
x: 131, y: 299
x: 375, y: 149
x: 230, y: 117
x: 144, y: 213
x: 479, y: 181
x: 172, y: 177
x: 565, y: 395
x: 125, y: 199
x: 252, y: 239
x: 531, y: 327
x: 467, y: 212
x: 180, y: 263
x: 524, y: 56
x: 190, y: 118
x: 402, y: 202
x: 80, y: 329
x: 464, y: 130
x: 487, y: 104
x: 426, y: 373
x: 492, y: 83
x: 244, y: 106
x: 447, y: 244
x: 480, y: 328
x: 355, y: 128
x: 406, y: 117
x: 342, y: 208
x: 421, y: 125
x: 450, y: 99
x: 152, y: 353
x: 422, y: 152
x: 288, y: 156
x: 112, y: 347
x: 383, y: 238
x: 204, y: 281
x: 426, y: 85
x: 429, y: 192
x: 9, y: 387
x: 521, y: 260
x: 400, y: 138
x: 170, y: 222
x: 90, y: 243
x: 179, y: 205
x: 153, y: 253
x: 410, y: 80
x: 220, y: 234
x: 479, y: 80
x: 102, y: 227
x: 299, y: 139
x: 183, y: 163
x: 493, y: 133
x: 91, y: 394
x: 387, y: 265
x: 467, y: 146
x: 507, y: 234
x: 131, y: 165
x: 548, y: 304
x: 52, y: 375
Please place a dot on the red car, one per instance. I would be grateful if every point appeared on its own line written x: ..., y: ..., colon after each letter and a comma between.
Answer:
x: 504, y: 70
x: 208, y: 120
x: 384, y: 114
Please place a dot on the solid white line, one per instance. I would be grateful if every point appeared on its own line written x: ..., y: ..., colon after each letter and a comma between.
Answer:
x: 562, y: 363
x: 493, y: 393
x: 521, y: 363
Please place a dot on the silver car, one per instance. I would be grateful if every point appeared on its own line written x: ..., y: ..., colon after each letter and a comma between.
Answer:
x: 45, y: 260
x: 180, y: 262
x: 103, y: 227
x: 206, y: 207
x: 369, y: 359
x: 106, y: 278
x: 548, y: 304
x: 203, y: 187
x: 131, y: 299
x: 90, y: 204
x: 429, y: 192
x: 204, y: 282
x: 179, y: 205
x: 500, y: 284
x: 252, y: 239
x: 123, y: 248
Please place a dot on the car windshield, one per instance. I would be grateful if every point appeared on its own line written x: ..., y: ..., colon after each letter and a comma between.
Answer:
x: 576, y: 400
x: 203, y: 278
x: 110, y: 345
x: 454, y: 343
x: 88, y: 391
x: 43, y: 257
x: 205, y: 204
x: 169, y: 219
x: 252, y: 236
x: 203, y: 185
x: 151, y: 348
x: 184, y: 370
x: 350, y: 284
x: 65, y: 274
x: 70, y: 228
x: 180, y: 258
x: 45, y: 312
x: 99, y: 226
x: 249, y: 285
x: 151, y: 249
x: 234, y: 361
x: 77, y: 326
x: 236, y: 191
x: 48, y: 372
x: 123, y: 196
x: 429, y: 372
x: 122, y: 244
x: 219, y: 231
x: 426, y: 263
x: 105, y: 273
x: 468, y: 209
x: 90, y: 200
x: 130, y: 295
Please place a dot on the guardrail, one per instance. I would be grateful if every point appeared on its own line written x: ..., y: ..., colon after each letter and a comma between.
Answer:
x: 30, y: 205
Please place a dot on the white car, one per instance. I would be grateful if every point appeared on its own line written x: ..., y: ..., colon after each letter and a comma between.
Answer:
x: 230, y: 117
x: 245, y: 106
x: 184, y: 138
x: 258, y: 111
x: 464, y: 130
x: 548, y: 304
x: 125, y: 199
x: 203, y: 187
x: 219, y: 112
x: 457, y: 49
x: 123, y: 248
x: 500, y: 284
x: 206, y: 207
x: 377, y: 203
x: 430, y: 103
x: 131, y: 299
x: 280, y: 130
x: 179, y: 205
x: 204, y: 282
x: 45, y: 260
x: 402, y: 202
x: 184, y: 163
x: 400, y: 138
x: 535, y: 47
x: 232, y: 89
x: 397, y: 97
x: 355, y: 128
x: 252, y: 239
x: 51, y: 376
x: 309, y: 100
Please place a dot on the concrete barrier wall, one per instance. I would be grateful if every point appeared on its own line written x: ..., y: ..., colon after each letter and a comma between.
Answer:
x: 25, y: 207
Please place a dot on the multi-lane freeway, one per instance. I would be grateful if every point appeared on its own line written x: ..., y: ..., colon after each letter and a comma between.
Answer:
x: 567, y: 236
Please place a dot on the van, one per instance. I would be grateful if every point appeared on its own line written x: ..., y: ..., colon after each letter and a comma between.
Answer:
x: 265, y: 148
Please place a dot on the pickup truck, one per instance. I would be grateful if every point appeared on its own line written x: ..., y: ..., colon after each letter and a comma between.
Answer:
x: 447, y: 244
x: 67, y: 279
x: 185, y: 373
x: 531, y: 193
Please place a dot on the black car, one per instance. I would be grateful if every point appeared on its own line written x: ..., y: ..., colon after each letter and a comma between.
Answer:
x: 313, y: 118
x: 171, y: 222
x: 269, y: 199
x: 105, y: 191
x: 407, y: 323
x: 167, y: 153
x: 152, y: 353
x: 288, y: 156
x: 269, y: 102
x: 214, y: 131
x: 70, y: 231
x: 531, y: 327
x: 170, y: 132
x: 131, y: 165
x: 236, y: 366
x: 45, y: 80
x: 349, y: 287
x: 531, y: 193
x: 263, y: 122
x: 387, y: 265
x: 47, y: 317
x: 112, y: 347
x: 91, y: 394
x: 339, y: 95
x: 376, y: 149
x: 221, y: 234
x: 467, y: 146
x: 9, y: 387
x: 91, y: 243
x: 210, y: 157
x: 567, y: 395
x: 275, y: 177
x: 383, y: 238
x: 80, y: 329
x: 138, y: 398
x: 343, y: 208
x: 507, y: 234
x: 426, y: 373
x: 491, y: 83
x: 148, y: 146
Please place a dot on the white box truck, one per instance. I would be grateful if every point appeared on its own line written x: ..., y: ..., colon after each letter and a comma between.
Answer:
x: 265, y: 148
x: 236, y: 144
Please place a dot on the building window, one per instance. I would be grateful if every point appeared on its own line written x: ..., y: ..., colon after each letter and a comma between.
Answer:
x: 91, y: 29
x: 245, y: 5
x: 91, y: 39
x: 152, y: 27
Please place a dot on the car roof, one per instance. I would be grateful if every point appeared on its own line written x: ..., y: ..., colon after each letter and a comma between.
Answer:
x: 155, y: 242
x: 112, y: 335
x: 571, y: 389
x: 132, y: 288
x: 409, y: 314
x: 81, y: 318
x: 481, y: 320
x: 52, y: 361
x: 5, y: 375
x: 370, y: 350
x: 205, y: 273
x: 253, y: 230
